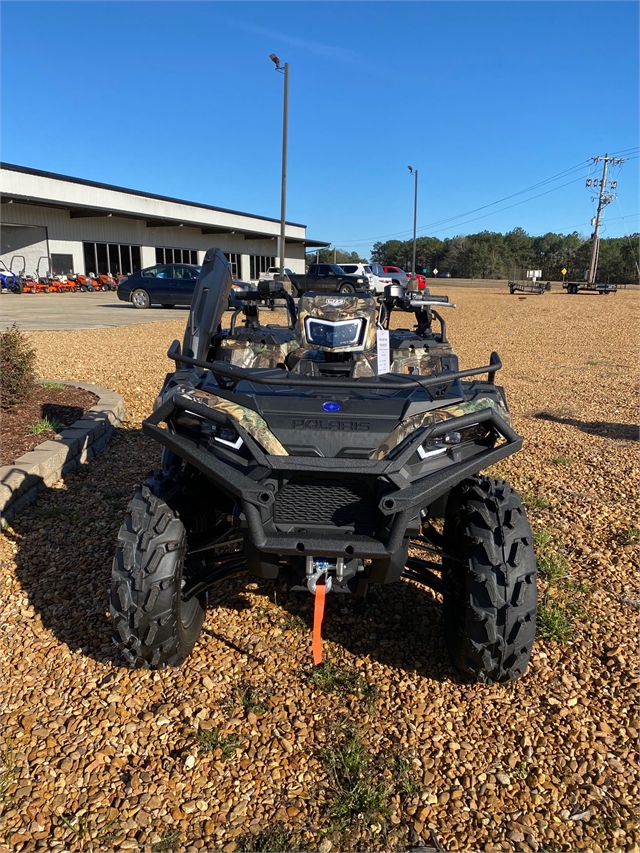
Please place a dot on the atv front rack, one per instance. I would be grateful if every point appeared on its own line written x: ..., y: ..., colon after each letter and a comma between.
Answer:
x: 399, y: 502
x: 277, y: 376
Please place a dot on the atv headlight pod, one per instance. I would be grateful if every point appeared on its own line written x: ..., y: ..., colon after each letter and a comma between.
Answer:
x: 209, y: 429
x: 437, y: 446
x: 334, y: 334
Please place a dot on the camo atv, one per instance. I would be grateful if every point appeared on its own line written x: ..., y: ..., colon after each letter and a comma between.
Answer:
x: 326, y: 453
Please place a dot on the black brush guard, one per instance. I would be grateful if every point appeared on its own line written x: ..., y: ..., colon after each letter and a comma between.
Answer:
x: 399, y: 504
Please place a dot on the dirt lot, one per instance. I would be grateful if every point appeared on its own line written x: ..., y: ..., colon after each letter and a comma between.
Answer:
x: 246, y: 748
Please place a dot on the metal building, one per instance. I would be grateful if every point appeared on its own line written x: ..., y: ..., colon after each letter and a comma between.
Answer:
x: 73, y: 225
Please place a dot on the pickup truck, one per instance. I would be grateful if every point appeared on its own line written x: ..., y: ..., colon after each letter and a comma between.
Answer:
x: 328, y: 278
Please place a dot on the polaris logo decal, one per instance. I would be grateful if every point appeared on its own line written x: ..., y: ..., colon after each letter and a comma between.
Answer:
x: 331, y: 407
x: 334, y: 426
x: 335, y: 303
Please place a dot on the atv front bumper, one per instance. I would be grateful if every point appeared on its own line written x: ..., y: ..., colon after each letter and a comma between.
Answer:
x: 395, y: 503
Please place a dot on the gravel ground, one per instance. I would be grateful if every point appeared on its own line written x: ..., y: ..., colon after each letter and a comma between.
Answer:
x: 246, y: 748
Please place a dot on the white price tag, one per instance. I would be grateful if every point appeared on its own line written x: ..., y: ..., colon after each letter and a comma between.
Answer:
x: 384, y: 364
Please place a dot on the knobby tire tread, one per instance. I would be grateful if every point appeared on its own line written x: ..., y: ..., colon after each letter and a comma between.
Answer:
x: 146, y: 610
x: 490, y: 616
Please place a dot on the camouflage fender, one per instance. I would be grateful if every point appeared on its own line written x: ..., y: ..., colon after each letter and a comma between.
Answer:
x: 410, y: 425
x: 254, y: 423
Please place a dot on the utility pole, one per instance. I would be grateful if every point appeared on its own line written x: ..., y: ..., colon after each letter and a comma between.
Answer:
x: 604, y: 199
x: 412, y: 281
x: 283, y: 195
x: 334, y: 255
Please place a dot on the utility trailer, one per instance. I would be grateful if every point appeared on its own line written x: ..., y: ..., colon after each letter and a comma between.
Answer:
x: 527, y: 281
x: 528, y: 287
x: 592, y: 287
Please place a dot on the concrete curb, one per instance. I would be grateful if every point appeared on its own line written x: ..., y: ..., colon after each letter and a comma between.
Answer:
x: 21, y: 482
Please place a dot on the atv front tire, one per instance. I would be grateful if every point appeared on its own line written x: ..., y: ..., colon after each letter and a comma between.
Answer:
x: 152, y: 625
x: 490, y: 569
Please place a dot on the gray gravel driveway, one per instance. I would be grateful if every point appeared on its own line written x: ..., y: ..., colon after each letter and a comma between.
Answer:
x: 39, y: 312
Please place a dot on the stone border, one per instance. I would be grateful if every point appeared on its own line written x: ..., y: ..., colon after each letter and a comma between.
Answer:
x: 22, y: 482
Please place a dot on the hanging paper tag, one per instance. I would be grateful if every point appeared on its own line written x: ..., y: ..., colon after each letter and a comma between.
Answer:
x: 384, y: 364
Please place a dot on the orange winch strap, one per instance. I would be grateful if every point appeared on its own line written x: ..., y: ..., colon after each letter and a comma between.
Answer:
x: 318, y: 613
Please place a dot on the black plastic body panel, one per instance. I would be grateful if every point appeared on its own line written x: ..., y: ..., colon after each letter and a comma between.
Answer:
x: 398, y: 506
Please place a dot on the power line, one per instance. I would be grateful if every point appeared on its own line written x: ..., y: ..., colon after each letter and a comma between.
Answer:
x: 485, y: 215
x: 633, y: 253
x: 570, y: 170
x: 360, y: 243
x: 509, y: 206
x: 626, y: 151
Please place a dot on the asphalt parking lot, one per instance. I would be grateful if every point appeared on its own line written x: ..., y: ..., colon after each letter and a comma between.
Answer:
x: 55, y: 311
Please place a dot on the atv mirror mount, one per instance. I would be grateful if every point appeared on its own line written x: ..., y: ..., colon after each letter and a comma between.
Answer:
x: 266, y: 292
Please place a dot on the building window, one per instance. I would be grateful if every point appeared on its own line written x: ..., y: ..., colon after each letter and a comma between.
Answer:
x: 176, y: 256
x: 61, y: 264
x: 101, y: 258
x: 259, y: 264
x: 234, y: 263
x: 89, y: 258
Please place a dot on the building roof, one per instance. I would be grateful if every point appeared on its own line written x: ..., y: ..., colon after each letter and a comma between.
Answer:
x: 83, y: 198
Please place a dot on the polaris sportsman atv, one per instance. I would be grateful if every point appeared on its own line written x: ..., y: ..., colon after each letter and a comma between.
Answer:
x: 332, y: 453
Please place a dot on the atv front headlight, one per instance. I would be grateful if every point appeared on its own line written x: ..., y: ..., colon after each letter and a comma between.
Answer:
x: 209, y: 429
x: 341, y: 333
x: 437, y: 446
x: 222, y: 434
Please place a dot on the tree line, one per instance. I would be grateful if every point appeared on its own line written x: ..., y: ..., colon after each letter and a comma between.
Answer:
x: 490, y: 254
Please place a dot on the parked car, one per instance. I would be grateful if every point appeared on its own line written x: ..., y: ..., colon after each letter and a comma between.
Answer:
x: 401, y: 277
x: 444, y: 275
x: 376, y: 283
x: 378, y: 279
x: 323, y: 278
x: 164, y: 284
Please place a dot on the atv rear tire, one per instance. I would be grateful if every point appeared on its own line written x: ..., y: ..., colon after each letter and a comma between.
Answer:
x: 490, y: 611
x: 152, y: 625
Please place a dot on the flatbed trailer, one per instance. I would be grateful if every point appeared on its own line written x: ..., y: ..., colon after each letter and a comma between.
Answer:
x: 528, y: 287
x: 592, y: 287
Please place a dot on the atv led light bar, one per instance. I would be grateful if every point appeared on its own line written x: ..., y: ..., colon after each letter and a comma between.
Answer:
x: 339, y: 333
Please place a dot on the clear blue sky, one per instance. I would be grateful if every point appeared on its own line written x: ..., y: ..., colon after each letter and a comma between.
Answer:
x: 484, y: 98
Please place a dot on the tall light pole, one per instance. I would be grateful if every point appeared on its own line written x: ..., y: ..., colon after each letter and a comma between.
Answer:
x: 412, y: 281
x: 285, y: 123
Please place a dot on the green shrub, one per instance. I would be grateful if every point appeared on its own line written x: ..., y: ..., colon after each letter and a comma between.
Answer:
x: 17, y: 367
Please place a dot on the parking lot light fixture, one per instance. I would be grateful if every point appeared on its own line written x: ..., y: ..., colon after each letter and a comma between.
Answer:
x: 285, y: 121
x: 413, y: 284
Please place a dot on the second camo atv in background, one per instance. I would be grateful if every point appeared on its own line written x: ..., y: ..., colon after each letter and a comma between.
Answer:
x: 326, y: 453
